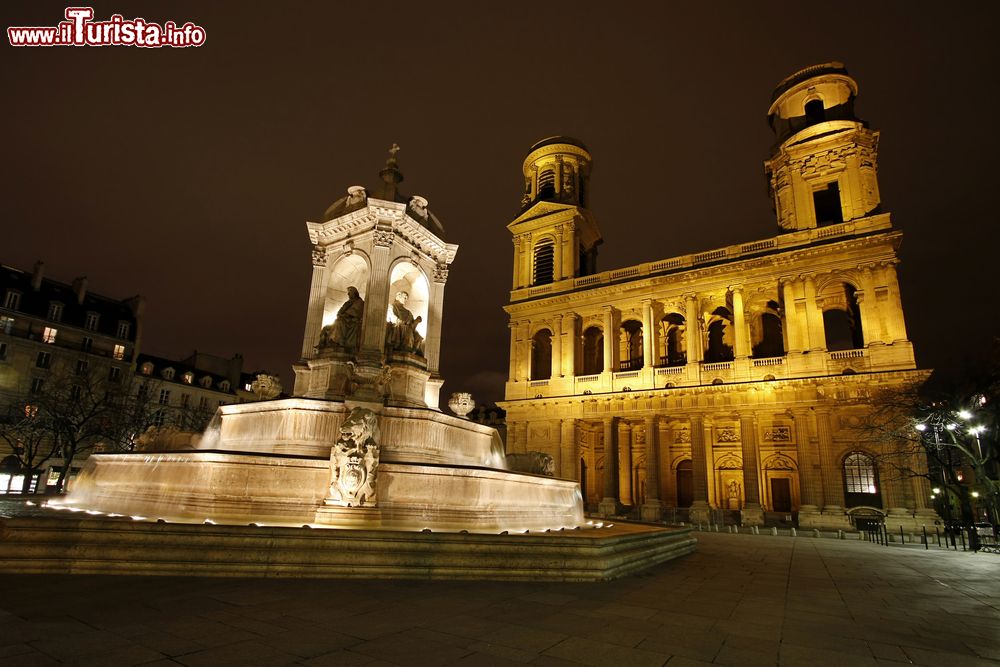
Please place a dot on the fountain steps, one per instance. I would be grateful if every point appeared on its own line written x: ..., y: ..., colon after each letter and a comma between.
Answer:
x: 72, y: 545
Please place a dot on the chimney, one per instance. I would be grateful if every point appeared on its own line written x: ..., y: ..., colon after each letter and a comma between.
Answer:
x: 37, y: 274
x: 80, y: 287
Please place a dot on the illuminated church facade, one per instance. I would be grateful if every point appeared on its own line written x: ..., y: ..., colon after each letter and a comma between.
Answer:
x: 729, y: 379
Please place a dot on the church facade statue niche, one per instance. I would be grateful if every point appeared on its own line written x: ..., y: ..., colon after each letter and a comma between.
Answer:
x: 401, y: 332
x: 343, y: 333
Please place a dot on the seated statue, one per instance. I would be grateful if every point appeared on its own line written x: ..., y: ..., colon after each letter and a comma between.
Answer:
x: 402, y: 334
x: 343, y: 333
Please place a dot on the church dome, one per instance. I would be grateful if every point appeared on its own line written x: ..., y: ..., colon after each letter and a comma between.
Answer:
x: 813, y: 95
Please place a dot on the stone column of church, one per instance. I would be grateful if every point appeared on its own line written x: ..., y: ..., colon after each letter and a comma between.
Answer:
x: 626, y: 494
x: 833, y: 489
x: 518, y: 250
x: 524, y: 356
x: 692, y: 326
x: 814, y: 316
x: 792, y: 324
x: 810, y: 467
x: 570, y: 450
x: 435, y: 310
x: 514, y: 375
x: 894, y: 304
x: 742, y: 346
x: 668, y: 474
x: 317, y: 301
x: 651, y: 508
x: 699, y: 464
x: 609, y: 340
x: 647, y: 333
x: 753, y: 513
x: 377, y: 299
x: 569, y: 348
x: 526, y: 258
x: 609, y: 504
x: 871, y: 315
x: 556, y: 361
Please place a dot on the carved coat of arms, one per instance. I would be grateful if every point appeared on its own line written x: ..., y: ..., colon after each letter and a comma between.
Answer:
x: 354, y: 461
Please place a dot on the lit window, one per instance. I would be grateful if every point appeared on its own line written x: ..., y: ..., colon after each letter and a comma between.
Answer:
x: 36, y: 385
x: 82, y: 366
x: 6, y: 324
x: 164, y: 397
x: 55, y: 311
x: 123, y: 328
x: 91, y: 323
x: 168, y: 374
x: 30, y: 411
x: 115, y: 374
x: 188, y: 377
x: 859, y: 474
x: 119, y: 352
x: 248, y: 386
x: 49, y: 335
x: 12, y: 300
x: 43, y: 360
x: 147, y: 368
x: 87, y: 344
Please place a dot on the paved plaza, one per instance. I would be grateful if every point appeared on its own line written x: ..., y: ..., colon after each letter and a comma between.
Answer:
x: 740, y: 600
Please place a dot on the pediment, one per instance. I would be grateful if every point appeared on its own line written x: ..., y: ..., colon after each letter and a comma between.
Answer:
x: 541, y: 209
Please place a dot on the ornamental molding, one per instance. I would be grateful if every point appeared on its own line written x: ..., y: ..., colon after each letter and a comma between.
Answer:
x: 319, y: 256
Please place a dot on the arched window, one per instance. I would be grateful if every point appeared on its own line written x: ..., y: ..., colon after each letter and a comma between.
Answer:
x: 772, y: 342
x: 147, y: 368
x: 630, y: 340
x: 720, y: 336
x: 544, y: 262
x: 673, y: 331
x: 547, y: 184
x: 842, y: 324
x: 541, y: 355
x: 861, y: 481
x: 593, y: 351
x: 815, y: 112
x: 168, y: 374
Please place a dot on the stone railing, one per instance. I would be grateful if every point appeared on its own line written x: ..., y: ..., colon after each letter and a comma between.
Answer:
x: 717, y: 366
x: 788, y: 241
x: 769, y: 361
x: 846, y: 354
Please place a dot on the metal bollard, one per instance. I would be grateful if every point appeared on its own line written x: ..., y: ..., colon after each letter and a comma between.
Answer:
x: 774, y: 531
x: 815, y: 532
x: 926, y: 546
x: 794, y: 534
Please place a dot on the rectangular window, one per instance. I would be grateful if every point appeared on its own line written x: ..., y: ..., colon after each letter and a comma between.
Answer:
x: 82, y: 366
x: 87, y: 344
x: 6, y: 324
x: 123, y: 328
x: 160, y: 417
x: 185, y: 400
x: 203, y: 403
x: 12, y: 300
x: 49, y: 335
x: 55, y: 311
x: 91, y: 323
x: 164, y: 397
x: 115, y: 374
x: 119, y: 352
x: 827, y: 204
x: 248, y: 386
x: 36, y: 385
x: 3, y: 351
x: 43, y: 360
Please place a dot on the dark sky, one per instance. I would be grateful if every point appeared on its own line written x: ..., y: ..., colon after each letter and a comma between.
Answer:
x: 187, y: 175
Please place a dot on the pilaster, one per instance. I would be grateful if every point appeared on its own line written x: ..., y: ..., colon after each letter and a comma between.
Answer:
x: 609, y: 504
x: 651, y: 509
x: 753, y: 513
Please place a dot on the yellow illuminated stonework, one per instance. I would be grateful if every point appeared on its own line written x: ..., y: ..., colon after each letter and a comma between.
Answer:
x: 731, y: 379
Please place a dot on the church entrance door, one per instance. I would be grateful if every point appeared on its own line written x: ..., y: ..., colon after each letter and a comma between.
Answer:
x: 781, y: 494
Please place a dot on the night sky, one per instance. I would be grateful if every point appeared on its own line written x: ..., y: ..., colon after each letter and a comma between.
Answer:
x: 187, y: 175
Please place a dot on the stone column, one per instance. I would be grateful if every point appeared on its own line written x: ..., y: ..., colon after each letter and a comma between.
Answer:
x: 609, y: 340
x: 570, y: 450
x: 317, y: 301
x: 651, y: 509
x: 516, y: 282
x: 810, y: 468
x: 894, y: 305
x: 609, y: 504
x: 792, y: 324
x: 626, y: 492
x: 833, y: 489
x: 432, y: 344
x: 514, y: 375
x: 699, y: 506
x: 742, y: 344
x: 524, y: 355
x: 692, y: 325
x: 377, y: 299
x: 871, y: 325
x: 569, y: 348
x: 753, y: 513
x: 814, y: 317
x: 647, y: 333
x: 526, y: 258
x: 556, y: 368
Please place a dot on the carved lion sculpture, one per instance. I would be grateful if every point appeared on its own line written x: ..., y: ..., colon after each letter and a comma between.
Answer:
x: 538, y: 463
x: 354, y: 460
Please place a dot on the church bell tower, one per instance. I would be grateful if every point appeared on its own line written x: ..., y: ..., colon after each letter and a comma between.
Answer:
x: 824, y: 167
x: 555, y: 235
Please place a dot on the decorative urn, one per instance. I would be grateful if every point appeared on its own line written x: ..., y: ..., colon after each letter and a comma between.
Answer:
x: 461, y: 403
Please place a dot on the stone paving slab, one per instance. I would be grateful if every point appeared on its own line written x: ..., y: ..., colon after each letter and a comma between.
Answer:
x: 738, y: 600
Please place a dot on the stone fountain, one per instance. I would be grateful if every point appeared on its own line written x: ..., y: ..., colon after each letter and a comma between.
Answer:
x: 361, y: 445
